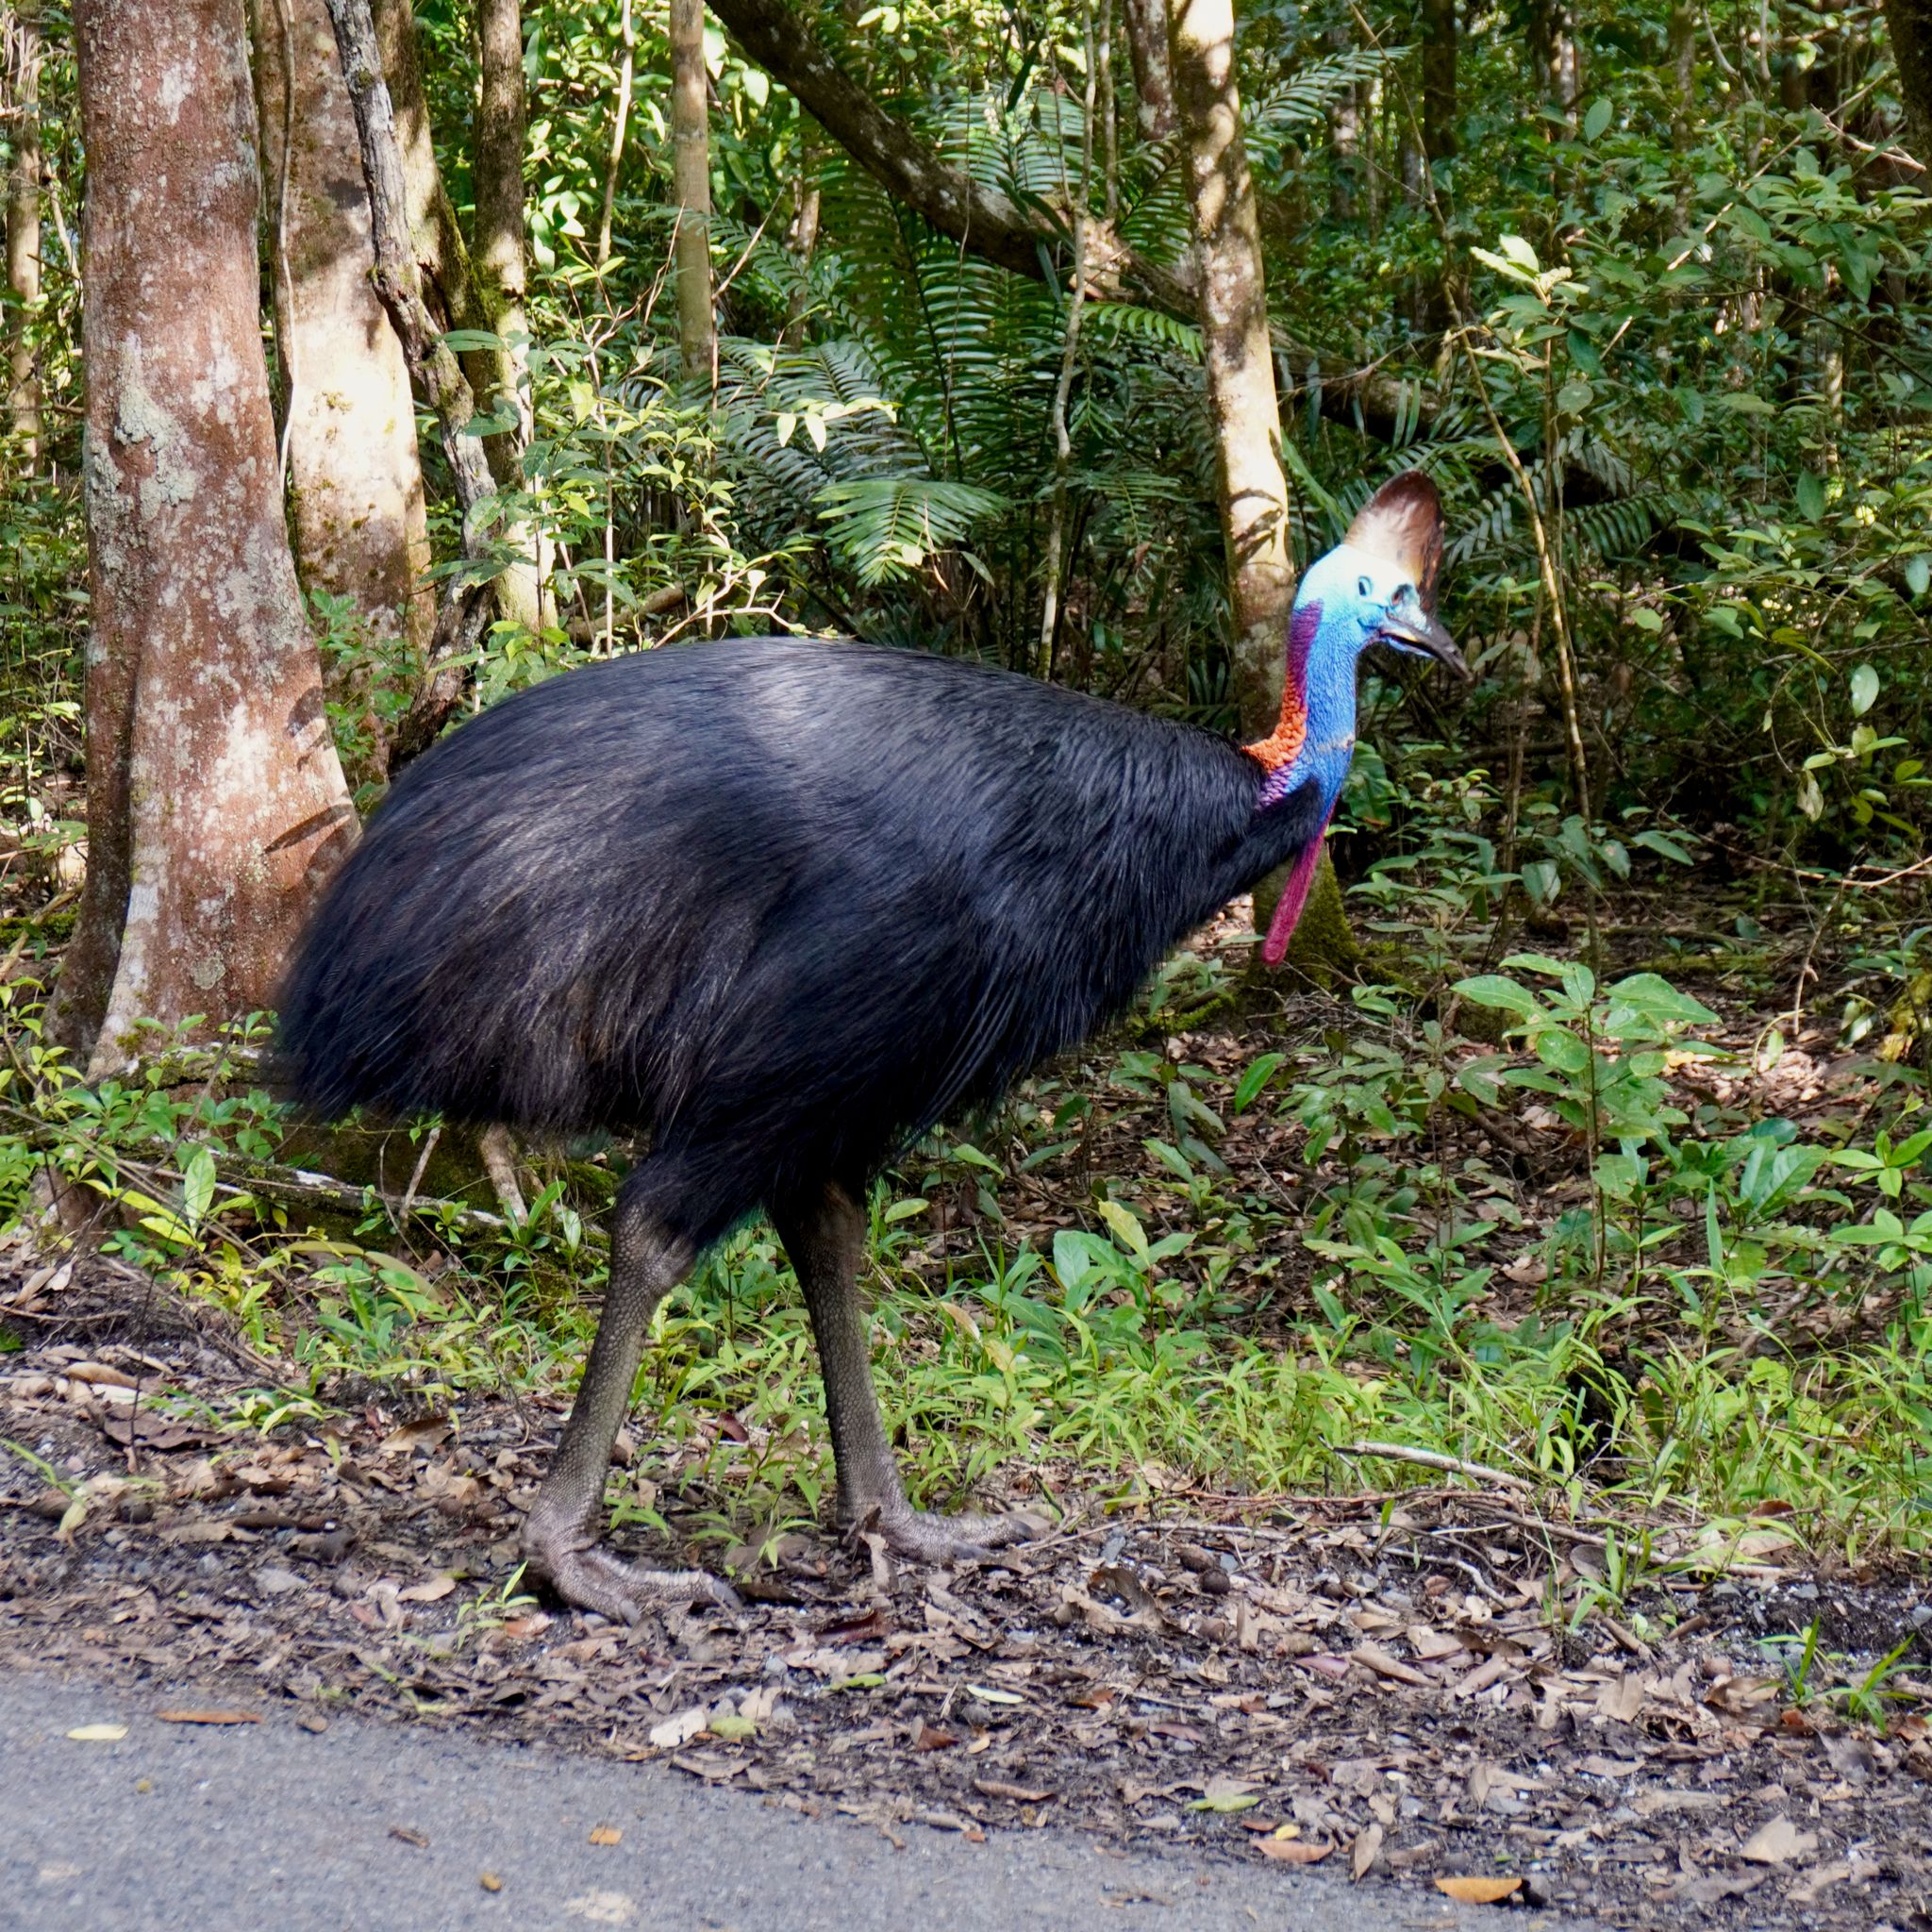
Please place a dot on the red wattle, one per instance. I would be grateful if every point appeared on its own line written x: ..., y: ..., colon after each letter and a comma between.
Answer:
x: 1294, y: 895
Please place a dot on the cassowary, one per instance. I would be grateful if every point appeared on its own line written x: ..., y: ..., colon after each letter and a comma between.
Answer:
x: 785, y: 904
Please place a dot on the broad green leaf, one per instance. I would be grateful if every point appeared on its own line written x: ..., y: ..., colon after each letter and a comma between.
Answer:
x: 1492, y: 990
x: 1257, y: 1078
x: 1864, y: 690
x: 1562, y: 1052
x: 1070, y: 1263
x: 1597, y: 118
x: 198, y: 1187
x: 1126, y: 1226
x: 1538, y: 962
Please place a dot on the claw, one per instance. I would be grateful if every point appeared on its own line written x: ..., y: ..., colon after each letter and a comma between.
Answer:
x: 594, y: 1579
x: 931, y: 1539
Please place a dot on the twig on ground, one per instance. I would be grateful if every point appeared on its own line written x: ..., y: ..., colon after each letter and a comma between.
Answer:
x: 1429, y: 1459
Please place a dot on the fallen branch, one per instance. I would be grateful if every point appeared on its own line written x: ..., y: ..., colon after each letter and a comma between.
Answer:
x: 1429, y: 1459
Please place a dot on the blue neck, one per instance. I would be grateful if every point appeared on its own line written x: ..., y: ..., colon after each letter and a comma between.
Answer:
x: 1325, y: 677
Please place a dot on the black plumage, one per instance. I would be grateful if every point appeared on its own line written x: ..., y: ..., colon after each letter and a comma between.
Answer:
x: 783, y: 903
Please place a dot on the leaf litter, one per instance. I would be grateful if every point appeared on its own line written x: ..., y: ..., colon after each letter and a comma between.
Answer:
x: 1343, y: 1688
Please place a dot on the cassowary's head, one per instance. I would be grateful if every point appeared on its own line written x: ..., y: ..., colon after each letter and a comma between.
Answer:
x: 1378, y: 584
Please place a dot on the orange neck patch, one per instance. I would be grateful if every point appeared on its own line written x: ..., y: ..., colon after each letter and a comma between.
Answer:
x: 1278, y: 749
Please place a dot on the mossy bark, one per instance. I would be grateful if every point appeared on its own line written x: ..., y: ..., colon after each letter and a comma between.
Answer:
x: 1324, y: 945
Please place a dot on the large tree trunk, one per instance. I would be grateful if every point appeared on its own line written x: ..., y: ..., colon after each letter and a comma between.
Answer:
x: 690, y: 182
x: 1146, y: 23
x: 356, y: 516
x: 1239, y: 355
x: 215, y: 801
x: 20, y: 52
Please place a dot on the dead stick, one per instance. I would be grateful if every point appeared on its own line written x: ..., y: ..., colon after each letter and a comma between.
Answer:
x: 1429, y: 1459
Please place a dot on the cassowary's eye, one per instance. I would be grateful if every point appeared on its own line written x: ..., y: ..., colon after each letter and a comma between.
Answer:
x: 1363, y: 586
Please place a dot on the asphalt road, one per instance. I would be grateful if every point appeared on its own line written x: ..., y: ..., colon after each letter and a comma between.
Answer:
x: 267, y: 1828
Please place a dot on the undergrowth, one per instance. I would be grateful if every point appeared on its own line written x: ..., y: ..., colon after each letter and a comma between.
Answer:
x: 1540, y: 1218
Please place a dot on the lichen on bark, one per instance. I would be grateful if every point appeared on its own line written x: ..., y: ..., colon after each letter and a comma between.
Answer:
x: 215, y: 800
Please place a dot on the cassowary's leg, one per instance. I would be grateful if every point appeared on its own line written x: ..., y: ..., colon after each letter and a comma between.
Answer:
x: 561, y: 1534
x: 825, y: 1239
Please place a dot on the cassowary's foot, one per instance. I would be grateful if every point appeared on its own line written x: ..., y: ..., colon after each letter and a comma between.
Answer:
x: 927, y: 1537
x: 586, y: 1576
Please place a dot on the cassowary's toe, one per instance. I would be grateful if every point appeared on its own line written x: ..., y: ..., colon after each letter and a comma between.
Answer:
x: 594, y: 1579
x: 929, y: 1539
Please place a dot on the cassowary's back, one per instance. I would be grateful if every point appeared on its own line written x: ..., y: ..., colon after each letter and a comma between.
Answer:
x: 783, y: 903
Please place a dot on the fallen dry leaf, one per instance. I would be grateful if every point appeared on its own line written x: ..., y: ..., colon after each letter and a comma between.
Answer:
x: 680, y: 1729
x: 1778, y: 1842
x: 1020, y: 1794
x: 606, y: 1835
x: 98, y: 1734
x: 1378, y: 1660
x: 1292, y: 1851
x: 1654, y: 1803
x: 1367, y: 1849
x: 208, y: 1717
x: 1480, y: 1892
x: 433, y: 1591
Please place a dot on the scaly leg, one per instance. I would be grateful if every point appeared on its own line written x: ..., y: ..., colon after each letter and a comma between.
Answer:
x: 560, y: 1539
x: 825, y: 1239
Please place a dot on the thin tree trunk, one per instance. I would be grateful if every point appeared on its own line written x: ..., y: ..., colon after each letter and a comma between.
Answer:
x: 803, y: 239
x: 1346, y: 142
x: 357, y: 514
x: 497, y: 249
x: 398, y: 283
x: 691, y: 184
x: 215, y: 801
x: 1062, y: 442
x: 1146, y: 25
x: 1554, y: 53
x: 497, y: 158
x: 1247, y: 425
x: 626, y: 77
x: 1109, y: 117
x: 1909, y: 24
x: 23, y: 234
x: 1438, y: 78
x: 1239, y: 359
x: 451, y: 286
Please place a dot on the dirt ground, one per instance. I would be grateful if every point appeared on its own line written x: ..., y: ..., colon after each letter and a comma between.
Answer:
x: 1373, y: 1680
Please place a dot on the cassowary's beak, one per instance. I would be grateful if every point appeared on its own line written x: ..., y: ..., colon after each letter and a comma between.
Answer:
x: 1409, y: 628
